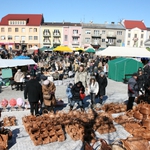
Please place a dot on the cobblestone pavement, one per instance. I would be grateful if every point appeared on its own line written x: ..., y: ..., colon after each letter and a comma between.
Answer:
x: 116, y: 92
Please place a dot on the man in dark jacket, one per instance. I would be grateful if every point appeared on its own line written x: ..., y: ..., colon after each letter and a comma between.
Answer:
x: 76, y: 90
x: 33, y: 91
x: 133, y: 90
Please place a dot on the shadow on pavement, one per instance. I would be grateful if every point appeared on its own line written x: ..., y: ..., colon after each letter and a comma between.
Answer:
x: 14, y: 136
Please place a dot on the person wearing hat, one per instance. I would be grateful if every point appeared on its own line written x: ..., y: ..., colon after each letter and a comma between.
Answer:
x: 102, y: 82
x: 133, y: 90
x: 33, y: 91
x: 48, y: 89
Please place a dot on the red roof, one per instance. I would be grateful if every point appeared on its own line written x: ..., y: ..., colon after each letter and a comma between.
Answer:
x: 130, y: 24
x: 32, y: 19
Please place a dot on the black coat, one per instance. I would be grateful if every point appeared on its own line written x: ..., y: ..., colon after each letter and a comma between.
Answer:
x: 33, y: 91
x: 76, y: 92
x: 102, y: 81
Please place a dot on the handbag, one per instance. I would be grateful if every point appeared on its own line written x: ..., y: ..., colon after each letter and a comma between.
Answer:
x: 82, y: 96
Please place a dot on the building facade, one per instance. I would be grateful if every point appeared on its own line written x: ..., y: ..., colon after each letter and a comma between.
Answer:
x: 102, y: 35
x: 72, y: 35
x: 51, y: 34
x: 147, y: 42
x: 136, y: 33
x: 20, y: 31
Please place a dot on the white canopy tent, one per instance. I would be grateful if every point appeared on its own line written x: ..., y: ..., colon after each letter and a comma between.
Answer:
x: 115, y: 51
x: 34, y: 48
x: 4, y: 63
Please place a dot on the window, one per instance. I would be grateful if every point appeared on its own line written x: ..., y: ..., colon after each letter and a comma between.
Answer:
x: 16, y: 29
x: 2, y: 30
x: 56, y: 31
x: 129, y: 35
x: 2, y: 37
x: 35, y: 37
x: 141, y: 43
x: 103, y: 40
x: 46, y: 32
x: 75, y: 39
x: 66, y: 37
x: 30, y: 37
x: 103, y: 31
x: 96, y: 32
x: 23, y: 38
x: 135, y: 35
x: 35, y: 30
x: 128, y: 43
x: 119, y: 41
x: 142, y: 36
x: 9, y: 37
x: 30, y: 30
x: 75, y: 31
x: 110, y: 40
x: 23, y: 29
x: 119, y: 32
x: 87, y: 40
x: 9, y: 29
x: 16, y: 38
x: 87, y: 32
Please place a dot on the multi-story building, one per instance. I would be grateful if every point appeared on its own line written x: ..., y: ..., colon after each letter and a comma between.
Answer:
x: 72, y: 34
x: 20, y: 31
x: 51, y: 34
x: 136, y: 33
x: 147, y: 42
x: 64, y: 33
x: 102, y: 35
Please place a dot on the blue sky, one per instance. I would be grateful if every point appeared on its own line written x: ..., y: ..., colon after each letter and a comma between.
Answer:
x: 97, y: 11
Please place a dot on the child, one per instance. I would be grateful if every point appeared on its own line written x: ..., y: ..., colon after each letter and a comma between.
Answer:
x: 69, y: 93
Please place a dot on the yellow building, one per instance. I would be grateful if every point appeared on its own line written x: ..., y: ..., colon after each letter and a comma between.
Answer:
x: 20, y: 31
x: 51, y: 34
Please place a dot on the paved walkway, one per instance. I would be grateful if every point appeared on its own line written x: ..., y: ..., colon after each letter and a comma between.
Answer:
x: 116, y: 92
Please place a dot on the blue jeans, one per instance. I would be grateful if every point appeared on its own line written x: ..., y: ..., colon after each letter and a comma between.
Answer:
x: 76, y: 101
x: 69, y: 100
x: 92, y: 96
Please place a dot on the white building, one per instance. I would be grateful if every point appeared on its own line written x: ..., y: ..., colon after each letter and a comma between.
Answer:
x: 136, y: 33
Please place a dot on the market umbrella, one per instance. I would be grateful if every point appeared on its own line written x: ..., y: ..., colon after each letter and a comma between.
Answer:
x: 90, y: 50
x: 43, y: 48
x: 79, y: 49
x: 62, y: 49
x: 49, y: 49
x: 34, y: 48
x: 21, y: 57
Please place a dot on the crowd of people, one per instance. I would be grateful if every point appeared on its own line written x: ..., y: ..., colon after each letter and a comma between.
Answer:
x: 89, y: 73
x: 90, y: 78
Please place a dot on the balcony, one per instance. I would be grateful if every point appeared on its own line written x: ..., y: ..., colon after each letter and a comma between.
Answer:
x: 46, y: 42
x: 111, y: 44
x: 56, y: 34
x: 56, y: 42
x: 75, y: 43
x: 111, y: 36
x: 96, y: 35
x: 75, y: 35
x: 46, y: 34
